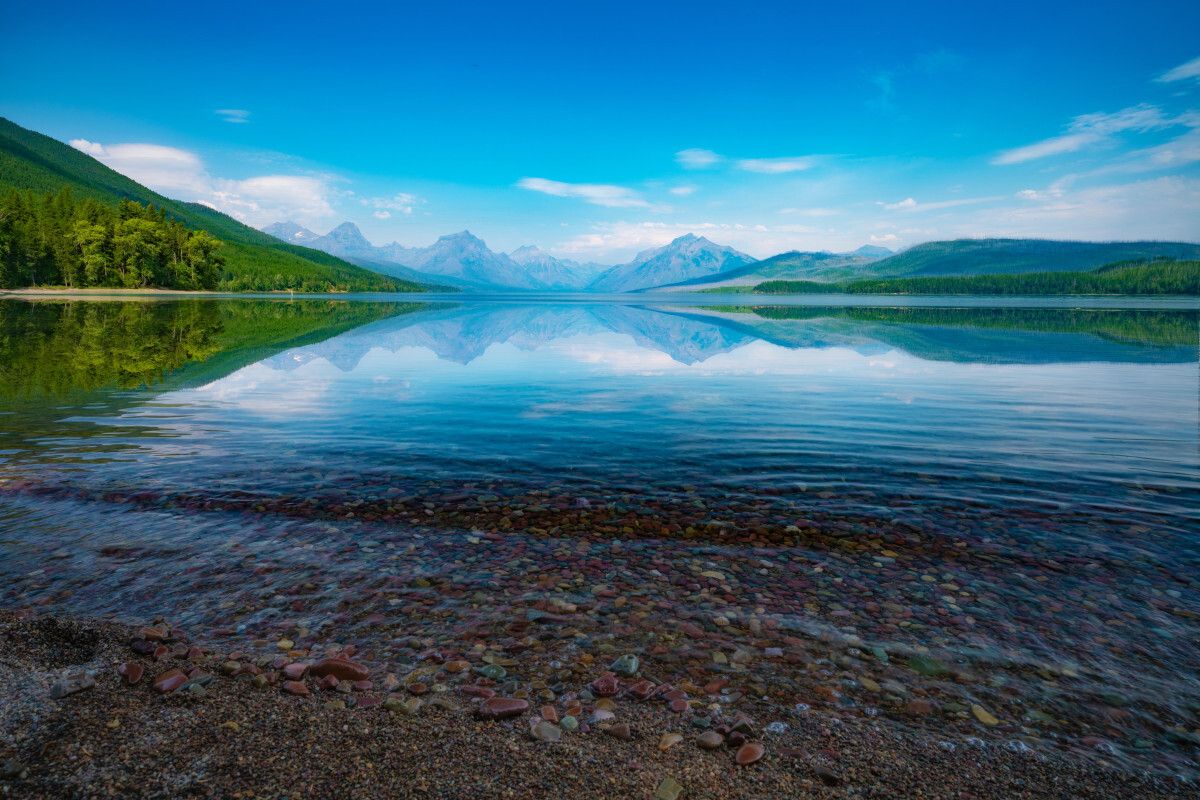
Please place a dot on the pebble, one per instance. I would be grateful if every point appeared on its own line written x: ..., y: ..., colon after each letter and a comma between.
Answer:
x: 502, y: 708
x: 748, y: 753
x: 169, y: 681
x: 71, y: 684
x: 626, y: 665
x: 298, y: 688
x: 132, y: 671
x: 341, y: 668
x: 710, y: 740
x: 295, y: 671
x: 983, y: 715
x: 669, y: 740
x: 620, y: 731
x: 545, y: 731
x: 668, y: 789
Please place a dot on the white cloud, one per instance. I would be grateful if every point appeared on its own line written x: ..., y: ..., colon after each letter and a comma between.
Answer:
x: 238, y: 116
x: 181, y: 174
x: 811, y: 212
x: 1186, y: 70
x: 910, y: 204
x: 1090, y: 129
x: 697, y: 158
x: 401, y: 201
x: 776, y: 166
x: 382, y: 214
x: 886, y: 238
x: 682, y: 191
x: 1047, y: 147
x: 599, y: 194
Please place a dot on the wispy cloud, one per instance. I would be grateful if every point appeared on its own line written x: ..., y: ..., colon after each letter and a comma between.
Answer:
x: 598, y: 194
x: 910, y: 204
x: 683, y: 191
x: 182, y: 174
x: 777, y: 166
x: 1189, y: 70
x: 403, y: 202
x: 238, y: 116
x: 1091, y: 129
x: 697, y: 158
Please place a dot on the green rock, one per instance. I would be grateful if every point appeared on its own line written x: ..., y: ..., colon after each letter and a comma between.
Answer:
x: 669, y: 789
x: 493, y: 671
x: 626, y: 665
x: 927, y: 666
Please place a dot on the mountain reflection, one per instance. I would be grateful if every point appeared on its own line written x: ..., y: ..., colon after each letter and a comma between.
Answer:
x: 54, y: 348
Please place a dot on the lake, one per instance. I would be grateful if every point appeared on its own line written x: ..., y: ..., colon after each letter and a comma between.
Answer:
x: 910, y: 512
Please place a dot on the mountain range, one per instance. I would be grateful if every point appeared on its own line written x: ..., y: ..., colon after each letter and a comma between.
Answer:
x: 463, y: 260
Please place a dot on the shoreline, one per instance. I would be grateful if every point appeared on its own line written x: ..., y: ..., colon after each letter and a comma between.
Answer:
x: 240, y: 735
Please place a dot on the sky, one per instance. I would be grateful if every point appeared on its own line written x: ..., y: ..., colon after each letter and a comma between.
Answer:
x: 595, y: 130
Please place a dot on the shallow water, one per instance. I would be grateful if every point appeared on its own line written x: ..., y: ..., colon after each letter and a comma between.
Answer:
x: 1011, y: 494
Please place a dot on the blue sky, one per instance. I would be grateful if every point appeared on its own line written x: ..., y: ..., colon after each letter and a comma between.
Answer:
x: 597, y: 129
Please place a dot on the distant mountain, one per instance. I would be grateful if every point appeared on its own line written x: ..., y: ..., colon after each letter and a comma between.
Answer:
x: 30, y: 161
x: 687, y: 257
x: 459, y: 259
x: 291, y: 232
x: 555, y: 273
x: 793, y: 265
x: 1001, y: 256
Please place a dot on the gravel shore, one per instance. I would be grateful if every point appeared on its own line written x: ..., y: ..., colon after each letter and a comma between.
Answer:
x: 239, y: 735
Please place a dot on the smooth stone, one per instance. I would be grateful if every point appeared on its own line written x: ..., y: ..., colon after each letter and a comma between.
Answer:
x: 626, y: 665
x: 678, y: 705
x: 285, y: 644
x: 502, y: 707
x: 669, y: 740
x: 169, y: 681
x: 132, y: 671
x: 983, y: 715
x: 550, y: 714
x: 294, y: 672
x: 710, y: 740
x: 668, y: 789
x: 546, y: 731
x: 341, y: 668
x: 298, y: 688
x: 569, y: 723
x: 749, y: 753
x: 70, y: 685
x: 620, y: 731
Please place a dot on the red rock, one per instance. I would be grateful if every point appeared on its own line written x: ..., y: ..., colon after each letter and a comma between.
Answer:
x: 161, y: 652
x: 169, y: 681
x: 642, y: 690
x: 154, y: 634
x: 417, y: 688
x: 298, y: 688
x: 716, y: 685
x: 606, y: 686
x: 502, y: 707
x: 369, y: 700
x: 679, y: 705
x: 550, y: 714
x: 471, y: 690
x: 620, y: 731
x: 294, y: 672
x: 341, y: 668
x: 749, y: 753
x: 329, y: 682
x: 363, y: 686
x: 132, y: 671
x: 195, y: 654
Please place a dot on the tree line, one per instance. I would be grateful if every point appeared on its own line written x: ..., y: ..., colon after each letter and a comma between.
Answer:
x: 57, y: 239
x: 1160, y: 277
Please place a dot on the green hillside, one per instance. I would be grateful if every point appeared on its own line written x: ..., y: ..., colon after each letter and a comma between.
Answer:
x: 254, y: 261
x: 1006, y: 256
x: 1161, y: 277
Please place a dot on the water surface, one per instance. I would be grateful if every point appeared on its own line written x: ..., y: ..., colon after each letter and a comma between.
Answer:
x: 981, y: 505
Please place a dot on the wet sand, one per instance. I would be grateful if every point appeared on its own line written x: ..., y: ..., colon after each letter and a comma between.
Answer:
x: 238, y: 739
